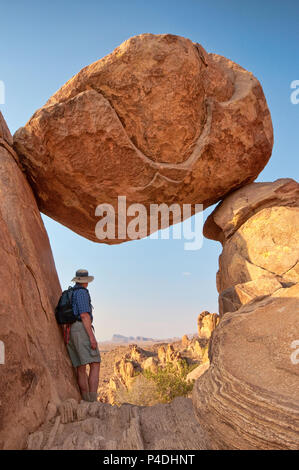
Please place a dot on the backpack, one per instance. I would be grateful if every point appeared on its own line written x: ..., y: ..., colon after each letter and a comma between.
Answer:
x: 64, y: 311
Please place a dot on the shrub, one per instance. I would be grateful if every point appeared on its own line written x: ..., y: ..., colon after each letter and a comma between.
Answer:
x: 171, y: 380
x: 149, y: 388
x: 142, y: 392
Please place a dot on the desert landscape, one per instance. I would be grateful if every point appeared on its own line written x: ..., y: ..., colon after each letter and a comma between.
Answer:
x: 150, y: 372
x: 159, y: 120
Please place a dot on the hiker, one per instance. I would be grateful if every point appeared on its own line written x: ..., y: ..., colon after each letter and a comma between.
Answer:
x: 81, y: 342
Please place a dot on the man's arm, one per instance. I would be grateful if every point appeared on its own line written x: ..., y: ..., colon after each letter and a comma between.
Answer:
x: 85, y: 317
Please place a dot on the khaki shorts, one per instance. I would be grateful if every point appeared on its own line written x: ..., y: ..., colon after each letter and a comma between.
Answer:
x: 79, y: 347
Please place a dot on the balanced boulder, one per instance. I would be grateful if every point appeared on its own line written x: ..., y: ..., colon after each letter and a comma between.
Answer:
x: 159, y: 120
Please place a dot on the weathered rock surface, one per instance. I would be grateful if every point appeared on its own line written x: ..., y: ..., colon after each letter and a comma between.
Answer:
x: 206, y: 324
x: 102, y: 426
x: 242, y: 204
x: 232, y: 298
x: 249, y: 396
x: 5, y: 135
x: 159, y: 120
x: 258, y: 226
x: 37, y: 372
x: 198, y: 371
x: 198, y: 348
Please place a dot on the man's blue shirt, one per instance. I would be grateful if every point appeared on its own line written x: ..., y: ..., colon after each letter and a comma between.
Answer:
x: 81, y: 301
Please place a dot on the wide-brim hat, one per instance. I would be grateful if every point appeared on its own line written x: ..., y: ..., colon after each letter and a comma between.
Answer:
x: 82, y: 276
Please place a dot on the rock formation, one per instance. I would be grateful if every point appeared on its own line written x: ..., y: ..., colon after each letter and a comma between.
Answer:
x: 37, y: 372
x: 206, y: 324
x: 258, y: 226
x: 162, y: 354
x: 198, y: 371
x: 249, y: 396
x: 198, y: 348
x: 159, y: 120
x: 128, y: 384
x: 125, y: 370
x: 102, y: 426
x: 185, y: 341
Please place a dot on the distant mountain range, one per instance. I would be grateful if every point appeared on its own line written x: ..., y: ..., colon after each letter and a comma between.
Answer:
x: 137, y: 339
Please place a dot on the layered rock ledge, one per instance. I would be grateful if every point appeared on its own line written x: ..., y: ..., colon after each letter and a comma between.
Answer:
x: 249, y: 396
x: 90, y: 426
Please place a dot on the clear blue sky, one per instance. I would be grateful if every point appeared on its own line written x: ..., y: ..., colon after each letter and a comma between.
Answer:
x: 140, y: 288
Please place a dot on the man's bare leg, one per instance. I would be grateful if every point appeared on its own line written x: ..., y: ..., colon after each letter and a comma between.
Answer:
x: 93, y: 380
x: 83, y: 382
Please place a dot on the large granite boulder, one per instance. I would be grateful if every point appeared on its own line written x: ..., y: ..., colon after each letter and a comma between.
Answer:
x: 258, y: 226
x: 159, y: 120
x: 249, y: 396
x: 36, y: 373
